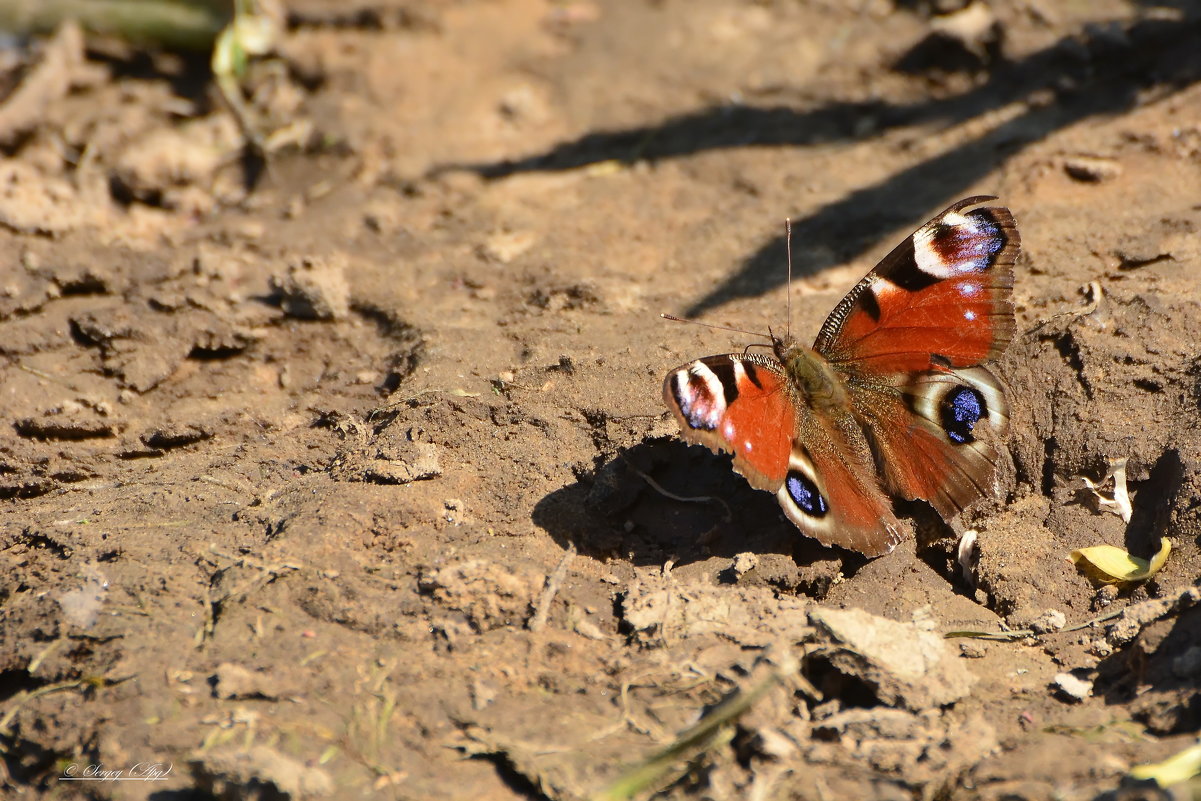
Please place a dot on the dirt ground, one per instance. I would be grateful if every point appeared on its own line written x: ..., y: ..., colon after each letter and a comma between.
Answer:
x: 340, y: 480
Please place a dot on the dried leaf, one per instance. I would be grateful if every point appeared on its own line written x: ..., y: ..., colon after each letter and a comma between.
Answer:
x: 1120, y: 502
x: 1175, y: 769
x: 1112, y: 565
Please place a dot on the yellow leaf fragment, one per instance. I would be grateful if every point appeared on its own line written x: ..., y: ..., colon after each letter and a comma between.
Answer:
x: 601, y: 168
x: 1175, y: 769
x: 1112, y: 565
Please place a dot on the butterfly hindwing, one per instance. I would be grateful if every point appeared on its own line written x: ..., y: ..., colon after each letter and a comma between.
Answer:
x: 831, y: 491
x: 936, y: 439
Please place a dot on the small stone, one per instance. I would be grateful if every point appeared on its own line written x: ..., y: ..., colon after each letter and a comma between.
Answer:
x: 506, y: 246
x: 250, y: 229
x: 314, y: 288
x: 1141, y: 251
x: 1071, y: 688
x: 175, y: 435
x: 482, y: 694
x: 1092, y: 169
x: 974, y: 25
x: 586, y: 628
x: 384, y: 216
x: 233, y: 681
x: 1048, y: 621
x: 1105, y: 595
x: 971, y: 650
x: 260, y: 772
x: 745, y: 563
x: 175, y: 157
x: 65, y: 426
x: 907, y: 666
x: 774, y: 745
x: 456, y: 511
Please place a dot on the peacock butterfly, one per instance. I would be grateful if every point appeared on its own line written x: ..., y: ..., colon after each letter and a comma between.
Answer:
x: 890, y: 400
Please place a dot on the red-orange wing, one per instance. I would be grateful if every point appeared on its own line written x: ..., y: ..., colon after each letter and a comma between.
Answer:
x: 820, y: 471
x: 941, y: 297
x: 909, y: 339
x: 737, y: 405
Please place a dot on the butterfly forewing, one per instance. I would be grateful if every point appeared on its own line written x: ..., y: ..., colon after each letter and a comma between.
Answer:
x: 737, y: 405
x: 943, y: 292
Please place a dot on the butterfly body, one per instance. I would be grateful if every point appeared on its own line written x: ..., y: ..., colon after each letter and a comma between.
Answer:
x: 813, y: 378
x: 891, y: 400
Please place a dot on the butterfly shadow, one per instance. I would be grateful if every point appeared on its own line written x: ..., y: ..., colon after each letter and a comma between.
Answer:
x: 665, y: 501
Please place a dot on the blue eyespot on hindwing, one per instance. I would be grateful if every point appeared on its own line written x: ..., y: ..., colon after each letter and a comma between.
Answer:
x: 805, y: 494
x: 959, y: 411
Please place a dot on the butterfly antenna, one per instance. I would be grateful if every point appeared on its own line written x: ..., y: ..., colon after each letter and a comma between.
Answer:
x: 788, y: 250
x: 675, y: 319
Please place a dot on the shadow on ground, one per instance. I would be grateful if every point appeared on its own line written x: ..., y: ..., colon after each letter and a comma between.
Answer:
x: 665, y: 501
x: 1102, y: 70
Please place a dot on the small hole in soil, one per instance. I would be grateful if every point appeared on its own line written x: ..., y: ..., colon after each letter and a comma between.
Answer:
x: 850, y: 690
